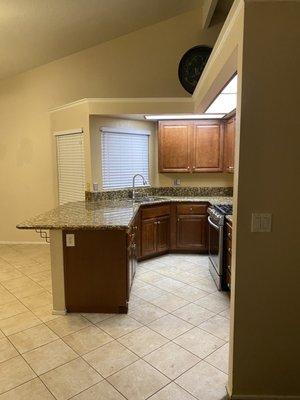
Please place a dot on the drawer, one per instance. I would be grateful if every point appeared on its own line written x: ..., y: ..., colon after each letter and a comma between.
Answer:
x: 153, y: 212
x: 194, y: 209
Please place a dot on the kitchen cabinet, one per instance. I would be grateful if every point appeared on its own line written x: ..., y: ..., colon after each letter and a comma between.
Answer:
x: 191, y: 227
x: 155, y: 230
x: 227, y: 254
x: 190, y: 146
x: 229, y: 143
x: 207, y: 147
x: 174, y: 141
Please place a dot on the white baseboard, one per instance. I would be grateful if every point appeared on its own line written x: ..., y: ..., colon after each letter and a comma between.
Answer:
x: 262, y: 397
x: 11, y: 242
x: 59, y: 312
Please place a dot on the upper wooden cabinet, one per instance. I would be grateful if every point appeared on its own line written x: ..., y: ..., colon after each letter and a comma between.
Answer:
x: 229, y: 141
x: 190, y: 146
x: 174, y: 141
x: 207, y: 147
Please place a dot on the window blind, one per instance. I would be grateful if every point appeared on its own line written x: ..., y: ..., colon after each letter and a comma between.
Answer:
x: 70, y: 167
x: 124, y: 154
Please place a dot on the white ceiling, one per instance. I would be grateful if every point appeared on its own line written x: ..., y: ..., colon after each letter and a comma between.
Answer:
x: 34, y: 32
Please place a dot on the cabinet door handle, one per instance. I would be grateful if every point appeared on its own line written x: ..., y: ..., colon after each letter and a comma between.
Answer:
x: 158, y: 222
x: 178, y: 219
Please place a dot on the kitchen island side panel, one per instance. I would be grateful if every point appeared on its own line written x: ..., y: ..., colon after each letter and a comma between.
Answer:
x: 57, y: 271
x: 96, y: 271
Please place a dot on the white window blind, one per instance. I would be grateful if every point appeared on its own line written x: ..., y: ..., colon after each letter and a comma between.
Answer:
x: 70, y: 167
x: 124, y: 154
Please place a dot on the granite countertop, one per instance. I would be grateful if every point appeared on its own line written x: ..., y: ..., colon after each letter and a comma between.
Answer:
x: 104, y: 214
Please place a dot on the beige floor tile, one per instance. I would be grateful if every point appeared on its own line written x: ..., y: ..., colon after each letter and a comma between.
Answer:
x: 46, y: 284
x: 5, y: 296
x: 149, y: 292
x: 49, y: 356
x: 146, y: 313
x: 96, y: 317
x: 87, y: 339
x: 169, y: 302
x: 206, y: 284
x: 193, y: 314
x: 119, y: 325
x: 35, y: 301
x: 7, y: 350
x: 68, y: 324
x: 9, y: 272
x: 22, y: 287
x: 143, y: 341
x: 40, y: 276
x: 18, y: 323
x: 11, y: 309
x: 170, y: 326
x: 32, y: 390
x: 101, y: 391
x: 135, y: 301
x: 169, y: 284
x: 172, y: 360
x: 70, y: 379
x: 172, y: 392
x: 44, y: 312
x: 32, y: 268
x: 110, y: 358
x: 204, y: 382
x: 138, y: 381
x: 190, y: 293
x: 32, y: 338
x: 199, y: 342
x: 212, y: 303
x: 218, y: 326
x: 226, y: 313
x: 150, y: 277
x: 14, y: 372
x: 219, y: 358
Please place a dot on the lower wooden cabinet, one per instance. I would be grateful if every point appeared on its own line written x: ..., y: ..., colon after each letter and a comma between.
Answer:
x: 192, y: 232
x: 155, y: 234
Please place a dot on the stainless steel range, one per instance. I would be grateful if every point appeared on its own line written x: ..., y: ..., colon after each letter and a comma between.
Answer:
x: 216, y: 221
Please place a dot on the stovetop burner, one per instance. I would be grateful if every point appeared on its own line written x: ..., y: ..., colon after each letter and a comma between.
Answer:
x: 225, y: 209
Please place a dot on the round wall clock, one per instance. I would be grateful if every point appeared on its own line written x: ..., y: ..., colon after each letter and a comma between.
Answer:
x: 192, y: 65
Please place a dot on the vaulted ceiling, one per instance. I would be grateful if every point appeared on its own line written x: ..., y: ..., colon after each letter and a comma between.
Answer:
x: 35, y: 32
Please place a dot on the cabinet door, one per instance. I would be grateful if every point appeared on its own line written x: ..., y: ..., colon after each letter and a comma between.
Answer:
x: 174, y: 141
x: 229, y: 145
x: 148, y: 237
x: 208, y: 147
x: 191, y: 232
x: 162, y: 234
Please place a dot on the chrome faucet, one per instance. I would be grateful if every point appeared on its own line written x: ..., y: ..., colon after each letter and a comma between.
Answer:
x: 133, y: 184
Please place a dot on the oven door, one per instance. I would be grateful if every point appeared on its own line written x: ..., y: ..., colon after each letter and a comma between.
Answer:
x: 215, y: 245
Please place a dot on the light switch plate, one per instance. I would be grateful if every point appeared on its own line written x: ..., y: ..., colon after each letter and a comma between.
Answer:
x: 261, y: 222
x: 70, y: 240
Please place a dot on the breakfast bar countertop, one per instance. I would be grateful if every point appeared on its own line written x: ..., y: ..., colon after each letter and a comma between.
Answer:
x: 103, y: 214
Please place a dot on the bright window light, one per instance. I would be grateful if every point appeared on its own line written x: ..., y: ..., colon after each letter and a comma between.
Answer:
x: 231, y: 87
x: 183, y: 116
x: 225, y: 102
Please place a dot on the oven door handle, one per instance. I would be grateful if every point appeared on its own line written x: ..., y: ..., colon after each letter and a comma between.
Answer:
x: 213, y: 224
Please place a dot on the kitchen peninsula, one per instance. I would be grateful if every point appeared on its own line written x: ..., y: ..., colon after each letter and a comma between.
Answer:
x: 95, y: 244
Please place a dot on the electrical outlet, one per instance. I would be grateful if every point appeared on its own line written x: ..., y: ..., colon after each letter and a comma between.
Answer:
x: 177, y: 182
x: 70, y: 240
x: 261, y: 222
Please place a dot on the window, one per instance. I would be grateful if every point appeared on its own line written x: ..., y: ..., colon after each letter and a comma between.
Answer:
x: 70, y: 167
x: 124, y: 154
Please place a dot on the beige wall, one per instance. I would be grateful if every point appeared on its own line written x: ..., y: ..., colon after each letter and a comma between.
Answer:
x: 266, y: 348
x: 140, y: 64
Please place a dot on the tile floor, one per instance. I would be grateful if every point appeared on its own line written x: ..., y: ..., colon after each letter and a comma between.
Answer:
x: 172, y: 345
